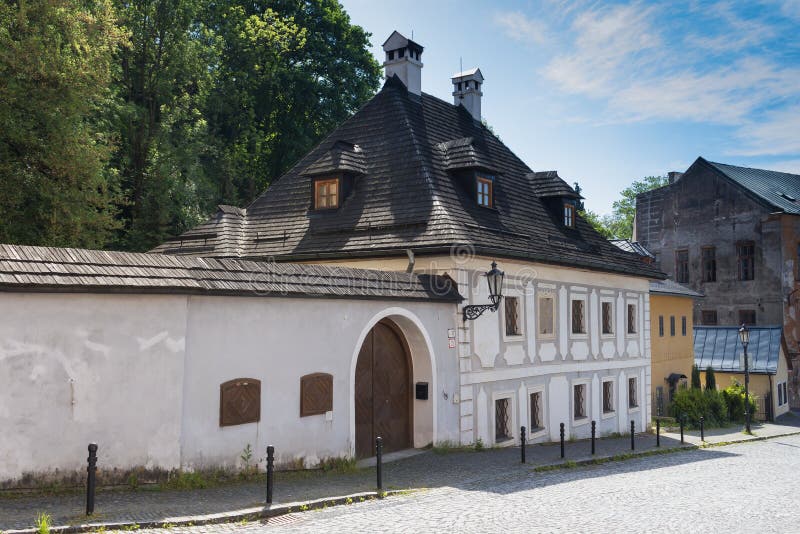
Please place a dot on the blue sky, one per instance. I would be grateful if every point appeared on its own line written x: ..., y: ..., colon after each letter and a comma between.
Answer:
x: 609, y: 92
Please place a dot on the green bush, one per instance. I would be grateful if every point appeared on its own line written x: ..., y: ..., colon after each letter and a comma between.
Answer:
x: 711, y: 379
x: 696, y: 403
x: 734, y: 399
x: 695, y: 377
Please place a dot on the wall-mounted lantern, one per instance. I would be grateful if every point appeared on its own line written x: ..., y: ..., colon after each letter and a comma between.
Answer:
x: 495, y: 280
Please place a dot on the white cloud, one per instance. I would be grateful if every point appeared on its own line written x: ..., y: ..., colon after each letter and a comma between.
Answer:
x: 521, y: 28
x: 643, y: 69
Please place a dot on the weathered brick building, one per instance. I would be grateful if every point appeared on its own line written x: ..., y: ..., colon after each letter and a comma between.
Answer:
x: 734, y: 234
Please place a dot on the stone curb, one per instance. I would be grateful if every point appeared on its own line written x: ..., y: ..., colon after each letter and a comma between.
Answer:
x: 248, y: 514
x: 262, y: 512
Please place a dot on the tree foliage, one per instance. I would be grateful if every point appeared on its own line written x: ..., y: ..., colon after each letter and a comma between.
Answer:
x: 123, y: 123
x: 619, y: 224
x: 696, y: 384
x: 56, y: 58
x: 711, y: 379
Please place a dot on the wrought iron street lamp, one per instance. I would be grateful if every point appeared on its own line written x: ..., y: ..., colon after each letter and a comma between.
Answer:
x: 495, y: 280
x: 744, y: 337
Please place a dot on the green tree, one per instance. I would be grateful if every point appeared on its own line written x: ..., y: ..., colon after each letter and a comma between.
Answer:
x: 711, y: 379
x: 620, y: 223
x: 162, y: 80
x: 696, y: 378
x: 289, y: 72
x: 55, y: 67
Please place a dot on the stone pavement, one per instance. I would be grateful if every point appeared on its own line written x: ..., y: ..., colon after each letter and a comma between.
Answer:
x: 742, y: 488
x: 456, y: 469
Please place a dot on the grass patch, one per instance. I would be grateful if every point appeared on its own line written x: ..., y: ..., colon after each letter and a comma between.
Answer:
x: 569, y: 464
x: 43, y: 523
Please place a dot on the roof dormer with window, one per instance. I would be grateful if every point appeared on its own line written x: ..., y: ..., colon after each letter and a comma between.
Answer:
x: 563, y: 201
x: 333, y: 175
x: 472, y: 169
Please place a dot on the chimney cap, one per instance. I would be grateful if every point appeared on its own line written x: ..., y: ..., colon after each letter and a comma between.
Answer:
x: 398, y: 40
x: 472, y: 74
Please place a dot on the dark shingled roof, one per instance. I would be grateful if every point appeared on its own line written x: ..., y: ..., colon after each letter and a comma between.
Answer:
x: 342, y: 157
x: 550, y: 184
x: 670, y: 287
x: 48, y: 269
x: 781, y: 190
x: 408, y: 199
x: 720, y: 348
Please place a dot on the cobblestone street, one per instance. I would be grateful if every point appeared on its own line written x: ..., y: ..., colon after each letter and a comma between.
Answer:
x: 738, y: 488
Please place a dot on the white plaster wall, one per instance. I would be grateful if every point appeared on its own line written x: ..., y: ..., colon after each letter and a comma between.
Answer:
x: 279, y: 340
x: 81, y: 368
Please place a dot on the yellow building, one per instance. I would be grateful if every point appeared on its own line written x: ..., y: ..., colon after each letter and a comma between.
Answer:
x: 671, y: 342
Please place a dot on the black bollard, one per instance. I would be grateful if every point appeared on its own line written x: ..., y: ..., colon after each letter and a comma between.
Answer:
x: 522, y: 444
x: 379, y: 462
x: 633, y: 436
x: 270, y: 472
x: 594, y: 434
x: 562, y: 440
x: 702, y: 429
x: 683, y: 422
x: 658, y: 432
x: 90, y: 479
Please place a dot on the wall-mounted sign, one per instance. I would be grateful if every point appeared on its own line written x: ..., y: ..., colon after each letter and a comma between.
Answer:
x: 451, y: 343
x: 451, y: 333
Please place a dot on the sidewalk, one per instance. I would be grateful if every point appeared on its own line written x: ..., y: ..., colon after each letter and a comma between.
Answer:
x: 426, y: 470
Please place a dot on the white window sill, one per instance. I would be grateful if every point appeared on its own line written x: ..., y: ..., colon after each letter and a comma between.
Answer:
x: 537, y: 433
x: 608, y: 415
x: 633, y: 409
x: 580, y: 336
x: 609, y: 337
x: 580, y: 421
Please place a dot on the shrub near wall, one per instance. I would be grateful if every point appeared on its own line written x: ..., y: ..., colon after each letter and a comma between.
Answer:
x: 697, y: 403
x: 734, y: 398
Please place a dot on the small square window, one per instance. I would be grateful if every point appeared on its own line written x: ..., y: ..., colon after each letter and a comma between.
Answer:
x: 326, y: 194
x: 579, y: 401
x: 608, y: 396
x: 511, y: 305
x: 747, y: 317
x: 569, y: 215
x: 631, y: 318
x: 536, y: 412
x: 485, y: 193
x: 633, y: 399
x: 546, y: 316
x: 608, y: 318
x: 578, y: 317
x: 709, y: 317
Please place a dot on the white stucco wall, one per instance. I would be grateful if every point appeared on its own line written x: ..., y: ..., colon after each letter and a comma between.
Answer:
x: 82, y: 368
x: 140, y: 375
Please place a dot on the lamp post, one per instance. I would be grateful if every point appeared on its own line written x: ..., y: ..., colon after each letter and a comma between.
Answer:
x: 744, y: 337
x: 495, y: 280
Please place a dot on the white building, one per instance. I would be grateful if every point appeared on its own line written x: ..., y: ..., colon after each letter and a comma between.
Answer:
x: 180, y: 360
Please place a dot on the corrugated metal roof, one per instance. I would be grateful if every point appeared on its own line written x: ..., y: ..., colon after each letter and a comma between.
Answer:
x: 670, y: 287
x: 24, y: 268
x: 720, y: 348
x: 780, y: 189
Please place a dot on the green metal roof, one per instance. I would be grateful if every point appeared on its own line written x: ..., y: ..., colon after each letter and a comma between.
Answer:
x: 779, y: 189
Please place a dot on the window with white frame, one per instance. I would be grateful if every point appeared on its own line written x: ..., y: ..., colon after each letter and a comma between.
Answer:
x: 633, y: 398
x: 512, y: 316
x: 579, y: 399
x: 608, y: 396
x: 607, y: 308
x: 502, y: 420
x: 537, y: 412
x: 631, y: 318
x: 578, y: 316
x: 547, y: 315
x: 782, y: 394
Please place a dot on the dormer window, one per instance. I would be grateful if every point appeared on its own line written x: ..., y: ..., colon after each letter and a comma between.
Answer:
x: 326, y: 194
x: 569, y: 215
x: 484, y: 189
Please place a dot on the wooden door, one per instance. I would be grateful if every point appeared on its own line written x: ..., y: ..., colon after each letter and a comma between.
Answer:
x: 383, y: 392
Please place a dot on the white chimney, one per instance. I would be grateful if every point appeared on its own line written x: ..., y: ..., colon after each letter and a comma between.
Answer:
x: 467, y: 91
x: 403, y: 58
